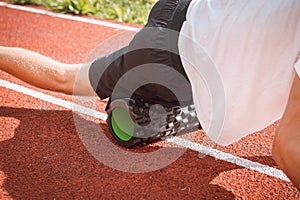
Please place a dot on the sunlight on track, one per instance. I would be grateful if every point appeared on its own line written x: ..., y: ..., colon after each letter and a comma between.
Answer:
x: 3, y: 193
x: 8, y: 134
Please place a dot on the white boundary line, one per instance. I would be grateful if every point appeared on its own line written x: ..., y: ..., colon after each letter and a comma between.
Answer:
x: 264, y: 169
x: 69, y: 17
x: 53, y: 100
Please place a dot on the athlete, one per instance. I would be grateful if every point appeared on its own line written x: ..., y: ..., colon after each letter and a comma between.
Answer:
x: 251, y: 47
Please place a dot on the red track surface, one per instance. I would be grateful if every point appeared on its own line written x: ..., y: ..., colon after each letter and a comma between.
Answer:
x: 42, y: 156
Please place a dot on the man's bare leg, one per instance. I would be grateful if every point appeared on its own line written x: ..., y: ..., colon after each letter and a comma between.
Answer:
x: 45, y: 73
x: 286, y: 147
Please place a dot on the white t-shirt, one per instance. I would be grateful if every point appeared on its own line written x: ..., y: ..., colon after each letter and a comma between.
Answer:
x: 240, y: 57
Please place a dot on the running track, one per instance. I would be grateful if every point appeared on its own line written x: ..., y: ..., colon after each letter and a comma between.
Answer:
x: 43, y: 157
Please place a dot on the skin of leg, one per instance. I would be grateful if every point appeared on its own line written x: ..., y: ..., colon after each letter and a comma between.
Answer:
x: 46, y: 73
x: 286, y: 146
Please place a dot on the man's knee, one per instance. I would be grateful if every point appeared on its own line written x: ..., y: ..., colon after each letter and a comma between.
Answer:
x: 286, y: 151
x: 287, y: 137
x: 284, y: 146
x: 288, y: 132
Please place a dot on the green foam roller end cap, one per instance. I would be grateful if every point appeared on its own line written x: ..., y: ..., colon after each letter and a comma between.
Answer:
x: 122, y: 124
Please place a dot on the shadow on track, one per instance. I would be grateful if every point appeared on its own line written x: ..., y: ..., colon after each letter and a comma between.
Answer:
x: 46, y: 159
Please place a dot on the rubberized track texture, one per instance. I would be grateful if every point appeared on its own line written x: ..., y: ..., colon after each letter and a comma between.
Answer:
x: 42, y: 153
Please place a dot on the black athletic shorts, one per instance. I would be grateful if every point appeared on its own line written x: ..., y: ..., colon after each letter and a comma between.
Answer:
x: 106, y: 71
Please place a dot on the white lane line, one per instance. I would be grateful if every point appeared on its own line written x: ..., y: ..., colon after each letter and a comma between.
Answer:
x: 53, y: 100
x: 264, y: 169
x: 69, y: 17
